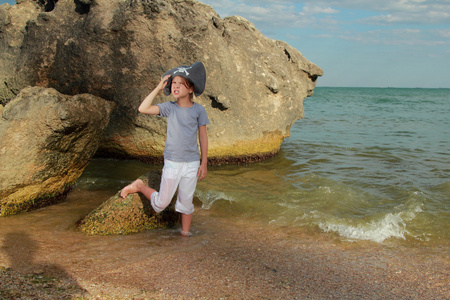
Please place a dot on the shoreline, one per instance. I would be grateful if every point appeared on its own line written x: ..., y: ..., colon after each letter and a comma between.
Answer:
x: 225, y: 259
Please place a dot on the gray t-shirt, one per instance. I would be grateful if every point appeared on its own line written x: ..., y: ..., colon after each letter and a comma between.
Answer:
x: 182, y: 128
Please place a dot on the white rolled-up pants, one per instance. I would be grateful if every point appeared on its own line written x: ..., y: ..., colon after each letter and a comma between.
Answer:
x: 181, y: 175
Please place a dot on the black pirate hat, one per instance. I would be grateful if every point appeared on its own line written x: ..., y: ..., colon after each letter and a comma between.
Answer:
x: 195, y: 73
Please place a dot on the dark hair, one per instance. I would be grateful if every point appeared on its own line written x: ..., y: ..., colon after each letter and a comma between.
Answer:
x: 188, y: 83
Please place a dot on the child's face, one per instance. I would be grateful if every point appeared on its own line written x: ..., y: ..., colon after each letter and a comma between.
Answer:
x: 180, y: 87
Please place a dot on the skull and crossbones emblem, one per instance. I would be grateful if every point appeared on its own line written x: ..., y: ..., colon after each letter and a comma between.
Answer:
x: 182, y: 70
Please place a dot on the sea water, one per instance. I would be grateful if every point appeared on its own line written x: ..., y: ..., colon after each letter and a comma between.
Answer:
x: 364, y: 164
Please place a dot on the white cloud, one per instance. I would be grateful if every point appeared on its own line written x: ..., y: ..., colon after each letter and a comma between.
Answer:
x: 322, y: 36
x: 294, y: 14
x: 407, y: 36
x: 270, y: 14
x: 444, y: 33
x: 315, y: 9
x: 426, y: 17
x: 397, y: 11
x: 383, y: 5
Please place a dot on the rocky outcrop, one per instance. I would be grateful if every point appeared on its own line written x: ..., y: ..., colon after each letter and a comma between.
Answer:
x: 46, y: 141
x: 118, y: 50
x: 132, y: 214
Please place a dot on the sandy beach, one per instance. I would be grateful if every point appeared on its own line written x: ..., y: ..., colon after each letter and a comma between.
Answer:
x: 43, y: 256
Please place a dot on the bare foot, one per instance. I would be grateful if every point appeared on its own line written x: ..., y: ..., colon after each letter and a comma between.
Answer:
x: 185, y: 233
x: 131, y: 188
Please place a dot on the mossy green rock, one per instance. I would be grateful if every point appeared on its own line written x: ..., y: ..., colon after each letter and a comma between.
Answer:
x: 128, y: 215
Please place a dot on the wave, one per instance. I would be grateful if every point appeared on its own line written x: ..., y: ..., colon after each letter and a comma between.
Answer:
x: 391, y: 225
x: 209, y: 197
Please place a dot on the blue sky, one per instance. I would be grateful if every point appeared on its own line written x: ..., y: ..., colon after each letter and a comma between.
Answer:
x: 358, y: 43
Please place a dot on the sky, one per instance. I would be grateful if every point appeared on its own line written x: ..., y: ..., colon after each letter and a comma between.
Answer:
x: 358, y: 43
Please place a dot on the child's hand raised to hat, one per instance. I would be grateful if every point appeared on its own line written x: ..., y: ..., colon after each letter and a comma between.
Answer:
x: 146, y: 106
x: 162, y: 84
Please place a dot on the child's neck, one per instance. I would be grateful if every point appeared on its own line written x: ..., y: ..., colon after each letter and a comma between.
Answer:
x: 185, y: 102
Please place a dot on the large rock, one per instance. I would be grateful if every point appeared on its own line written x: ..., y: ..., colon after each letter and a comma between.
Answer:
x: 46, y: 141
x: 13, y: 21
x: 118, y: 50
x: 132, y: 214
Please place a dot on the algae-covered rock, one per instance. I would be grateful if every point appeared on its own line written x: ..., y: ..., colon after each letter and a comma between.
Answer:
x: 128, y: 215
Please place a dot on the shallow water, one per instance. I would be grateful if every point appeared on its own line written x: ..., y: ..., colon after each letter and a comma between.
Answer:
x: 364, y: 164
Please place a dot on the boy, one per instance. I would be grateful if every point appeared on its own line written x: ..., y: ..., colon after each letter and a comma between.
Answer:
x: 182, y: 162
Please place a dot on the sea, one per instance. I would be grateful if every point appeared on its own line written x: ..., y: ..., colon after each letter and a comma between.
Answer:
x: 364, y: 164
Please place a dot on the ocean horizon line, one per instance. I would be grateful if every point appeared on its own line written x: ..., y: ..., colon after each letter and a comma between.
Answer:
x: 383, y: 87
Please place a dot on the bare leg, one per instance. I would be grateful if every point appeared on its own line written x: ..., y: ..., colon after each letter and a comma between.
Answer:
x: 186, y: 221
x: 137, y: 186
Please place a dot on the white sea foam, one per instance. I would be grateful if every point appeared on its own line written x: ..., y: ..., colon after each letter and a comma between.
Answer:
x: 391, y: 225
x: 209, y: 197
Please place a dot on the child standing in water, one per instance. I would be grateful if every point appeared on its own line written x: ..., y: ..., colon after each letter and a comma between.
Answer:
x: 183, y: 164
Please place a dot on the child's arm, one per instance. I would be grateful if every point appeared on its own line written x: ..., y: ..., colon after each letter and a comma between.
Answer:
x: 203, y: 138
x: 146, y: 106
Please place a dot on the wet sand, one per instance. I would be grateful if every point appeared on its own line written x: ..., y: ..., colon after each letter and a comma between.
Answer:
x: 43, y: 254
